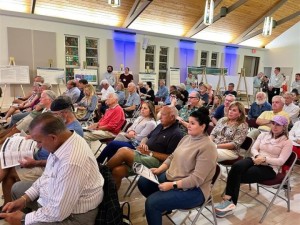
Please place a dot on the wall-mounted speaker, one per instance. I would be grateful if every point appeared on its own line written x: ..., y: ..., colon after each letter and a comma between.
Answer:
x: 223, y: 11
x: 145, y: 43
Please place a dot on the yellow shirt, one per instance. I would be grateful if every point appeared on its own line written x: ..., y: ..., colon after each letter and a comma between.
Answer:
x: 268, y: 115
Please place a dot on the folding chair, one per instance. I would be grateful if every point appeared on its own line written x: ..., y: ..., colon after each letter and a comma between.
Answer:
x: 247, y: 144
x: 132, y: 186
x: 282, y: 179
x: 204, y: 205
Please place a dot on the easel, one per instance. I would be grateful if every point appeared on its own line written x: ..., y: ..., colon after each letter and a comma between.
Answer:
x: 203, y: 77
x: 221, y: 77
x: 59, y: 81
x: 242, y: 76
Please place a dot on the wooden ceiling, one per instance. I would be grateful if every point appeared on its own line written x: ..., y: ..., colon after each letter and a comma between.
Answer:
x: 242, y: 24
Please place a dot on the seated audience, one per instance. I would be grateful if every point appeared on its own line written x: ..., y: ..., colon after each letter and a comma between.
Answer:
x: 194, y: 103
x: 230, y: 132
x: 110, y: 124
x: 88, y: 104
x: 259, y: 106
x: 294, y: 136
x: 230, y: 90
x: 269, y: 152
x: 264, y: 120
x: 81, y: 85
x: 121, y: 93
x: 185, y: 176
x: 183, y: 98
x: 72, y: 91
x: 47, y: 97
x: 172, y: 88
x: 105, y: 91
x: 290, y: 108
x: 141, y: 89
x: 296, y: 96
x: 31, y: 169
x: 210, y: 93
x: 37, y: 80
x: 162, y: 92
x: 25, y: 106
x: 149, y: 95
x: 193, y: 88
x: 189, y: 81
x: 140, y: 128
x: 152, y: 151
x: 222, y: 110
x: 74, y: 194
x: 216, y: 103
x: 203, y: 94
x: 133, y: 100
x: 17, y: 117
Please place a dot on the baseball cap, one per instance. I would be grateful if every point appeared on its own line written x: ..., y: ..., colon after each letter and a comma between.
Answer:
x: 281, y: 120
x: 61, y: 103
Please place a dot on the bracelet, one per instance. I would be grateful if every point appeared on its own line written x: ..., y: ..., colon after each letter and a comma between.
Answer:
x: 25, y: 201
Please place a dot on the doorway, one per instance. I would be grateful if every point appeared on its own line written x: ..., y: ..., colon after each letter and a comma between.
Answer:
x: 251, y: 65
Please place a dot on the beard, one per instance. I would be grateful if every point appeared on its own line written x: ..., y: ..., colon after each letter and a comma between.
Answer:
x: 260, y: 102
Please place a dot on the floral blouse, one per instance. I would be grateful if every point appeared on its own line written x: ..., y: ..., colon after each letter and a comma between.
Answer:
x: 224, y: 133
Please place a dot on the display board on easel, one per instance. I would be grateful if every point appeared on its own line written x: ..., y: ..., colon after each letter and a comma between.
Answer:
x: 174, y: 76
x: 91, y: 75
x: 14, y: 75
x: 51, y: 75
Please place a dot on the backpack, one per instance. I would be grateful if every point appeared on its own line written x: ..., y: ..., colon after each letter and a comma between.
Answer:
x: 126, y: 216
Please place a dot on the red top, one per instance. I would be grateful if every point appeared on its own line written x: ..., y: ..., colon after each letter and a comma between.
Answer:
x: 113, y: 119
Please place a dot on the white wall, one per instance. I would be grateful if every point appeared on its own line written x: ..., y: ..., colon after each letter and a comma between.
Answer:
x: 284, y: 51
x: 61, y: 28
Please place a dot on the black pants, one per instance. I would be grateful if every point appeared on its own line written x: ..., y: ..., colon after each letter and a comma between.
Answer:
x: 244, y: 171
x: 271, y: 94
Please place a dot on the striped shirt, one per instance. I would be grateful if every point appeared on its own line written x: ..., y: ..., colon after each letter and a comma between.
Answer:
x: 70, y: 184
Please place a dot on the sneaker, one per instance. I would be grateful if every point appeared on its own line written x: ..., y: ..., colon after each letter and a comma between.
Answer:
x: 225, y: 206
x: 220, y: 214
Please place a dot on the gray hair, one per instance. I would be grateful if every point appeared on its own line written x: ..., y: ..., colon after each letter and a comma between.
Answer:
x: 231, y: 95
x: 174, y: 111
x: 114, y: 95
x: 261, y: 93
x: 50, y: 94
x: 104, y: 82
x: 280, y: 97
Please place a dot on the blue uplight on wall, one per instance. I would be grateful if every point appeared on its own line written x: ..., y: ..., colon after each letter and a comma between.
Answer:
x: 124, y: 36
x: 231, y: 59
x: 187, y: 56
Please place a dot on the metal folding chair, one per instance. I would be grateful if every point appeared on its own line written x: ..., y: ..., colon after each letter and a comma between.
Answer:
x: 201, y: 207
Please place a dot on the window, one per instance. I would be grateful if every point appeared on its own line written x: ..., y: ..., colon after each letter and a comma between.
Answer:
x: 214, y: 59
x: 203, y: 60
x: 71, y: 55
x: 163, y: 62
x: 92, y: 52
x: 149, y: 57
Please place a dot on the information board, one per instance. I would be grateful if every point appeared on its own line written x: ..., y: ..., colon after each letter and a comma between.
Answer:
x: 89, y: 74
x: 51, y: 75
x: 14, y: 75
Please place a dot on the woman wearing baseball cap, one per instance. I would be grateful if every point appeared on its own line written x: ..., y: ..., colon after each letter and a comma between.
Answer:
x: 269, y: 152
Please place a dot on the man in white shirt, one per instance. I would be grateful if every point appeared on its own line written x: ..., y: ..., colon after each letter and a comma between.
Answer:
x: 290, y: 108
x: 105, y: 91
x: 71, y: 187
x: 275, y: 84
x: 109, y: 76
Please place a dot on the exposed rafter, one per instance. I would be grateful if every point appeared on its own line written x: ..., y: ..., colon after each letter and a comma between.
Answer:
x: 231, y: 8
x: 279, y: 22
x: 135, y: 11
x: 258, y: 22
x: 193, y: 30
x: 33, y: 6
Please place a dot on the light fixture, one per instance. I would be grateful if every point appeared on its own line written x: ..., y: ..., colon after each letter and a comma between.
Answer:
x: 209, y: 12
x: 114, y: 3
x: 268, y: 25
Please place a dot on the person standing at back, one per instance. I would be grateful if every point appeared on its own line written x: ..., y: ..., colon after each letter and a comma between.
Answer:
x: 275, y: 84
x: 126, y: 78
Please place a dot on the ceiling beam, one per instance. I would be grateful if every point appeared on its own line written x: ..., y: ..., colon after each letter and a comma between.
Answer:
x: 231, y: 8
x: 279, y: 22
x: 193, y: 30
x: 135, y: 11
x: 258, y: 22
x: 33, y: 6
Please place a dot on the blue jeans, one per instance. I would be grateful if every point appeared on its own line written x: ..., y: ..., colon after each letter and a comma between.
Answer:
x: 160, y: 201
x: 112, y: 148
x: 17, y: 117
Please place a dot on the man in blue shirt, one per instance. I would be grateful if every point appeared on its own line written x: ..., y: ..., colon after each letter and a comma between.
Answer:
x: 133, y: 100
x: 222, y: 110
x: 259, y: 106
x: 162, y: 92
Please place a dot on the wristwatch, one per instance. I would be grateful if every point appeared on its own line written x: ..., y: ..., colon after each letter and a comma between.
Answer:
x: 175, y: 185
x: 151, y: 154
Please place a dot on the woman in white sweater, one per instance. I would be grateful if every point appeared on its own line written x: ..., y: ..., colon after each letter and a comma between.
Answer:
x: 185, y: 176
